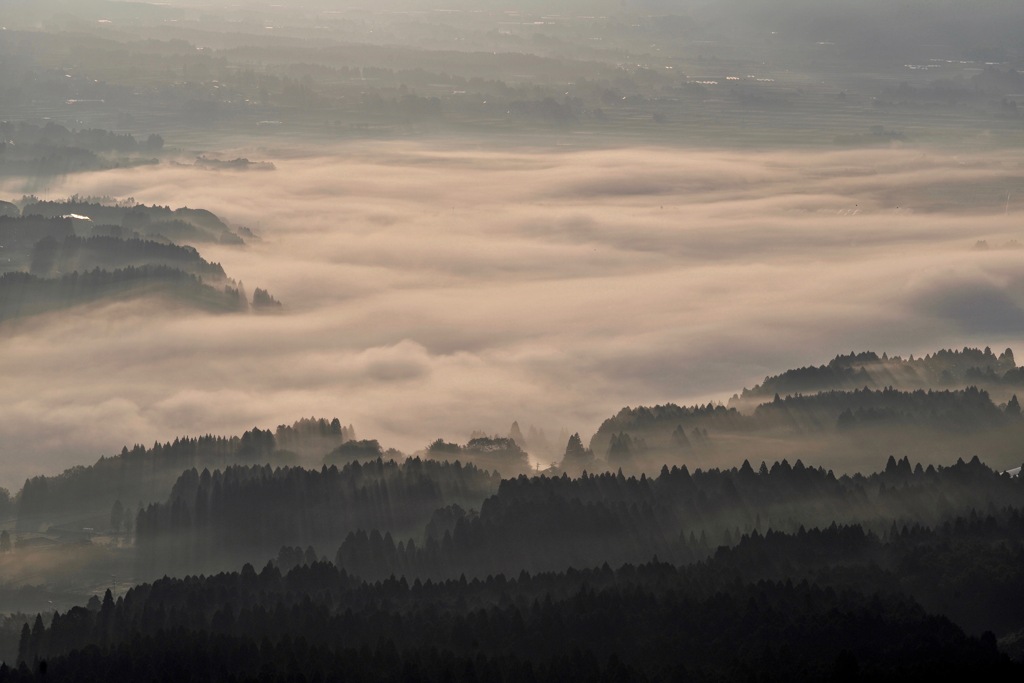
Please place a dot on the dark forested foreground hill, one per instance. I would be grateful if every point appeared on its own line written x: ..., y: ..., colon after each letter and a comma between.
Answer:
x: 377, y: 566
x: 950, y: 537
x: 789, y: 607
x: 782, y: 573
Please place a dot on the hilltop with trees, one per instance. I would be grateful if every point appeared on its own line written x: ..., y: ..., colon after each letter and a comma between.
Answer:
x: 89, y: 251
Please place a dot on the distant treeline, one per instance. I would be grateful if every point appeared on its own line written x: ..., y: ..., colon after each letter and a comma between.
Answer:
x: 944, y: 369
x: 748, y: 612
x: 140, y: 475
x: 174, y: 224
x: 969, y: 409
x: 881, y: 418
x: 61, y: 254
x: 420, y: 520
x: 23, y: 294
x: 212, y: 520
x: 963, y: 411
x: 498, y: 453
x: 53, y: 135
x: 545, y: 524
x: 51, y: 149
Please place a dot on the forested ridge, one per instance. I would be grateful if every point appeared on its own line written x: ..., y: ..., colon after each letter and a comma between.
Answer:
x: 639, y: 439
x: 813, y: 605
x: 544, y: 524
x: 942, y: 369
x: 24, y: 294
x: 215, y: 518
x: 141, y: 475
x: 27, y: 149
x: 62, y: 254
x: 75, y: 253
x: 969, y: 409
x: 183, y: 222
x: 462, y: 563
x: 951, y: 538
x: 928, y: 424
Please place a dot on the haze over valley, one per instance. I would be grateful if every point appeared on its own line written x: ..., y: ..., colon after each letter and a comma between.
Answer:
x: 410, y: 332
x: 429, y: 291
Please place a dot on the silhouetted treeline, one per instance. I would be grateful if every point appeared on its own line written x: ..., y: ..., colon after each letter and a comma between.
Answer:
x: 944, y: 369
x: 355, y: 450
x: 887, y: 418
x: 141, y: 475
x: 263, y: 300
x: 672, y: 428
x: 970, y: 569
x: 218, y: 519
x: 498, y: 453
x: 647, y: 622
x: 548, y: 524
x: 963, y: 411
x: 312, y: 437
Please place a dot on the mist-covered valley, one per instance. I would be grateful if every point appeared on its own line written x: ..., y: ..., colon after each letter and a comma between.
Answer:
x: 433, y: 292
x: 633, y: 341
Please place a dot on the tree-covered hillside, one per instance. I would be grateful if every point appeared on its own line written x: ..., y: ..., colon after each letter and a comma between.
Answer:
x: 434, y: 566
x: 62, y: 254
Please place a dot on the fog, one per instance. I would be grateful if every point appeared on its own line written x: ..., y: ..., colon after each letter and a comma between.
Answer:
x: 433, y: 290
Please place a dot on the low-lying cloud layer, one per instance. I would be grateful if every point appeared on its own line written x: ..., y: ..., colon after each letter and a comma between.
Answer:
x: 431, y: 291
